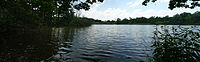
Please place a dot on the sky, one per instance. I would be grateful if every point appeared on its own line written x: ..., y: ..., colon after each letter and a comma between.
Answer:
x: 113, y: 9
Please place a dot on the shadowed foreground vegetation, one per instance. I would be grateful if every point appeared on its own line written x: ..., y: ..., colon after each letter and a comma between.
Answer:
x: 33, y: 45
x: 28, y: 14
x: 21, y: 40
x: 176, y: 44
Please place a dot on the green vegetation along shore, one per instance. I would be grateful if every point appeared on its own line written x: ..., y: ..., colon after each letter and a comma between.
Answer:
x: 22, y: 14
x: 178, y: 19
x: 28, y: 14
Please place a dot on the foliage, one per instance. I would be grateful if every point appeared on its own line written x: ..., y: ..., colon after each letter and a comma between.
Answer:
x: 81, y: 22
x: 178, y: 3
x: 30, y: 13
x: 178, y: 19
x: 177, y: 43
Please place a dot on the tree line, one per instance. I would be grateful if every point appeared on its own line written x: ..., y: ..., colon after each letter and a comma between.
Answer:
x: 178, y: 19
x: 29, y: 13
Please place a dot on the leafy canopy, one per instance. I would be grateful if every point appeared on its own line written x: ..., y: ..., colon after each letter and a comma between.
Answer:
x: 178, y: 3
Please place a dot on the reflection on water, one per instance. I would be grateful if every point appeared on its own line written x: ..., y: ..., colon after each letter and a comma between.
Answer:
x: 33, y: 45
x: 177, y: 44
x: 64, y: 36
x: 26, y: 46
x: 97, y: 43
x: 104, y: 43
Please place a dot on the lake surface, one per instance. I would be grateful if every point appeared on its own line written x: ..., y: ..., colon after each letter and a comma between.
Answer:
x: 105, y: 43
x: 96, y: 43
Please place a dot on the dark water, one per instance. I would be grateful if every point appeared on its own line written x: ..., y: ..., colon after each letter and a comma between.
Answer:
x: 96, y: 43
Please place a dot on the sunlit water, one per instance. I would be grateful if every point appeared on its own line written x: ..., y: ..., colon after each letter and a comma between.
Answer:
x: 96, y: 43
x: 106, y: 43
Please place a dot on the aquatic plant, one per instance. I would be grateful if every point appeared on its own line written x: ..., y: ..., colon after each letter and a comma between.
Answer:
x: 176, y: 44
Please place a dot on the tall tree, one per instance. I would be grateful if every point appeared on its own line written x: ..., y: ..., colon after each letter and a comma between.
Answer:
x: 44, y: 10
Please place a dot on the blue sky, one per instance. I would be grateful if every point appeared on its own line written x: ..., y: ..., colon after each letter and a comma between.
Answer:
x: 113, y: 9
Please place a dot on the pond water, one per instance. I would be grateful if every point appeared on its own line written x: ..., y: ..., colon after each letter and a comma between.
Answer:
x: 96, y: 43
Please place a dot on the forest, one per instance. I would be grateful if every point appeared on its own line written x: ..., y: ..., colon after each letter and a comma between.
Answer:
x: 16, y: 14
x: 36, y: 13
x: 53, y: 31
x: 178, y: 19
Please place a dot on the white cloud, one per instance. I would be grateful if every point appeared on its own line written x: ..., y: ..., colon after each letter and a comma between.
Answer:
x: 163, y: 0
x: 139, y: 2
x: 114, y: 13
x: 129, y: 3
x: 108, y: 14
x: 160, y: 13
x: 134, y: 3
